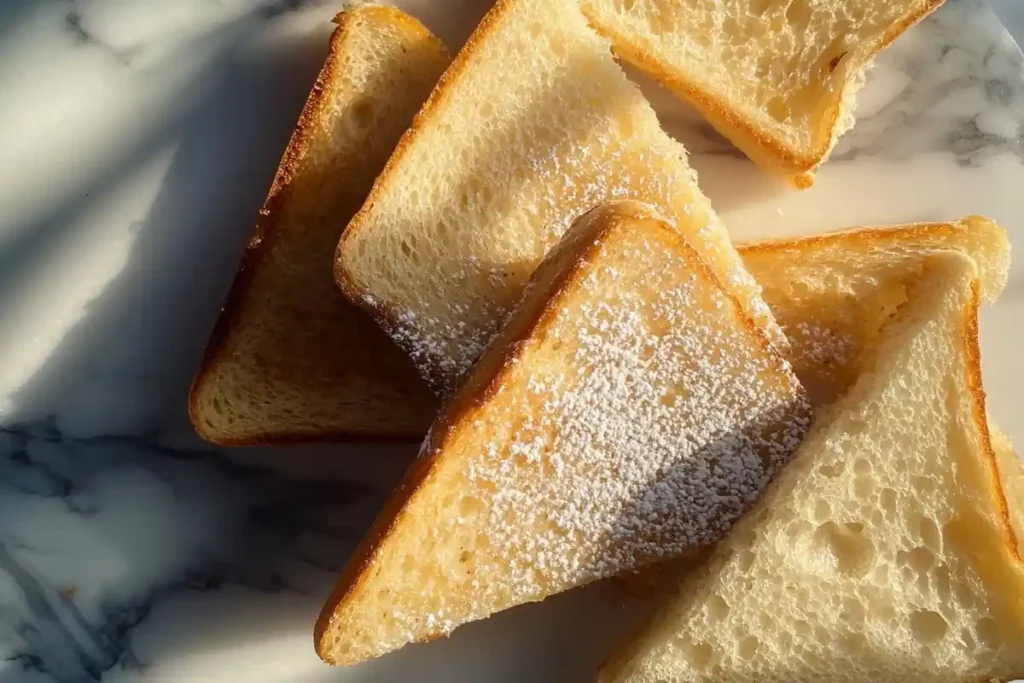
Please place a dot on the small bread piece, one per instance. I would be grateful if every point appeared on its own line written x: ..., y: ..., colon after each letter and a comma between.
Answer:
x: 290, y: 359
x: 776, y: 77
x: 627, y: 413
x: 884, y: 552
x: 533, y: 125
x: 833, y: 293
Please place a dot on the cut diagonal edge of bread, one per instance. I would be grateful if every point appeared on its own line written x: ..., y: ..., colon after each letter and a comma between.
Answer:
x: 777, y: 78
x: 833, y: 293
x: 885, y: 550
x: 1011, y: 477
x: 290, y: 359
x: 627, y: 413
x: 532, y: 125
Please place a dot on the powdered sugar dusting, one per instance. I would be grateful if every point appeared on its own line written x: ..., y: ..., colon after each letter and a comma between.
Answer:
x: 820, y: 345
x: 441, y: 351
x: 661, y: 418
x: 639, y: 417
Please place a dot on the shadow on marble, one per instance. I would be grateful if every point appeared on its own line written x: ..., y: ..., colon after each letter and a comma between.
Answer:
x: 93, y: 452
x: 135, y: 349
x: 14, y: 14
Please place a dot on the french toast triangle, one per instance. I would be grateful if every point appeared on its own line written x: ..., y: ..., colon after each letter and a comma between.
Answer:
x: 290, y: 359
x: 628, y: 412
x: 885, y: 550
x: 776, y: 77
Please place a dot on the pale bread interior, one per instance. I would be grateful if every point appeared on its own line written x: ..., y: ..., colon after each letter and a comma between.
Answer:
x: 882, y: 551
x: 1011, y: 476
x: 628, y: 413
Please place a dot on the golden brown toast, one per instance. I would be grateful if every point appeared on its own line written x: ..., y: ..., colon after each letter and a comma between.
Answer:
x: 627, y: 413
x: 885, y: 551
x: 290, y: 359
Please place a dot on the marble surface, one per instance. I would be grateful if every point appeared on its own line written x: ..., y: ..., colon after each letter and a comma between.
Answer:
x: 136, y: 143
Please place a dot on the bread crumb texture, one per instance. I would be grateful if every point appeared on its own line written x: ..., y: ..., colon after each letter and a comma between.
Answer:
x: 882, y: 551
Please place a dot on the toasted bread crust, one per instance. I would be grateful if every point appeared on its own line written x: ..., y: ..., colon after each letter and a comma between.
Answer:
x: 540, y: 303
x: 264, y: 237
x: 796, y: 166
x: 973, y: 348
x: 865, y: 239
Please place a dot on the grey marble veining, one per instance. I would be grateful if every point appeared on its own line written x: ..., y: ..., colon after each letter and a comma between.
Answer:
x: 953, y: 84
x: 97, y: 531
x: 131, y: 552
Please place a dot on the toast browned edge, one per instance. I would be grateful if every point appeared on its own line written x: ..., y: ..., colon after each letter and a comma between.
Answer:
x: 882, y: 236
x: 385, y: 316
x: 266, y: 231
x: 972, y: 347
x: 978, y: 398
x: 540, y: 302
x: 766, y: 150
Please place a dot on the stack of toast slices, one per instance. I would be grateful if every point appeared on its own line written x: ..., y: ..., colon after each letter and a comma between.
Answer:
x: 504, y: 257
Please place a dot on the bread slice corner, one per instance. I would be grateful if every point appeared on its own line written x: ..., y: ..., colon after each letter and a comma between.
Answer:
x: 289, y: 358
x: 834, y: 293
x: 627, y: 413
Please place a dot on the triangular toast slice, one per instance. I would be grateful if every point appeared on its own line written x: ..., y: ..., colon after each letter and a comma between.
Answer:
x: 290, y: 359
x: 533, y: 125
x: 884, y: 551
x: 627, y: 413
x: 777, y: 78
x: 833, y: 293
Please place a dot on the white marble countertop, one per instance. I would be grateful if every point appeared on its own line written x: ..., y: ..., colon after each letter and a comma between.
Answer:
x: 137, y: 141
